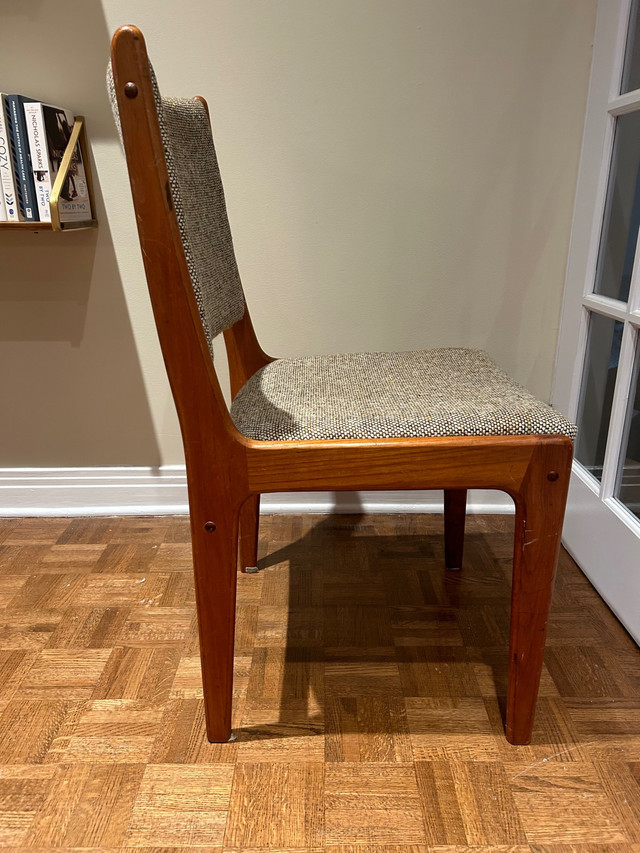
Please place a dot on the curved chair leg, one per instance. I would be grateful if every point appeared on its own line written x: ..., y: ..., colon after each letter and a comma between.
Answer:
x: 215, y: 556
x: 540, y: 507
x: 455, y: 507
x: 249, y: 523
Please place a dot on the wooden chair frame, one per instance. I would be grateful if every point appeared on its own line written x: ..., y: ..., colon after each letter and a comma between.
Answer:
x: 227, y: 472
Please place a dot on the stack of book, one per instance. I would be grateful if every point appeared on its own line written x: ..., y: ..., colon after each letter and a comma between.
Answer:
x: 33, y: 141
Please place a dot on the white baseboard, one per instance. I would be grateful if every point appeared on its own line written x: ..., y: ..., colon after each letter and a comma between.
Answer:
x: 163, y: 491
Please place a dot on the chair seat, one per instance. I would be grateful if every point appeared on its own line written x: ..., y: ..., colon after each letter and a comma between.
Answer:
x: 439, y: 392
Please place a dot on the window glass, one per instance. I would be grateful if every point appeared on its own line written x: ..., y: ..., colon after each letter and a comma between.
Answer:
x: 631, y: 68
x: 628, y: 489
x: 622, y: 212
x: 596, y: 391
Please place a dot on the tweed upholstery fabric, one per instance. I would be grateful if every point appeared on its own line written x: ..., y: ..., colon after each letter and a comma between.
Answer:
x: 440, y: 392
x: 199, y: 204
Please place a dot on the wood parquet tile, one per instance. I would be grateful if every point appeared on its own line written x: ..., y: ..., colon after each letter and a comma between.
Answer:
x: 368, y: 697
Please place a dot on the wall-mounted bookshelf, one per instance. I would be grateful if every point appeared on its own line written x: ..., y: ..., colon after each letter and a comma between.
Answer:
x: 78, y: 135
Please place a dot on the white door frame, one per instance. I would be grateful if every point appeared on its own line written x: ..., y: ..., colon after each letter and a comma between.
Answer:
x: 601, y: 534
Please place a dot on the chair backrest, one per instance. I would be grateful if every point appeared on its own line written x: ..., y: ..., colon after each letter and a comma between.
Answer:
x: 200, y: 209
x: 185, y: 237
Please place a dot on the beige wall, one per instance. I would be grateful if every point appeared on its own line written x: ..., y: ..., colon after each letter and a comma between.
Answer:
x: 398, y: 175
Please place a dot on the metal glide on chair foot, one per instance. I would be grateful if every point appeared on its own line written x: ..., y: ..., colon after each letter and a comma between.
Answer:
x: 252, y: 570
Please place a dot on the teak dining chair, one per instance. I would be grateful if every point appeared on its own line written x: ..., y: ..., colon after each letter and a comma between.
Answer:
x: 440, y: 419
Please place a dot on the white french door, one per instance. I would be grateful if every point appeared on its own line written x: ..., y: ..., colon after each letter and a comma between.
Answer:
x: 598, y: 363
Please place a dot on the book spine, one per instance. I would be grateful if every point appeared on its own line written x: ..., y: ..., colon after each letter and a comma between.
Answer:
x: 37, y: 135
x: 3, y: 207
x: 7, y: 182
x: 21, y: 160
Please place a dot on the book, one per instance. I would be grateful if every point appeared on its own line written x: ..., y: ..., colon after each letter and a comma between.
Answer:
x: 22, y: 172
x: 7, y: 182
x: 49, y: 130
x: 3, y: 207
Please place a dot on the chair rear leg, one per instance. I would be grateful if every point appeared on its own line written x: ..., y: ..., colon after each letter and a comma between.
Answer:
x: 249, y: 524
x: 455, y: 508
x: 540, y: 507
x: 215, y: 556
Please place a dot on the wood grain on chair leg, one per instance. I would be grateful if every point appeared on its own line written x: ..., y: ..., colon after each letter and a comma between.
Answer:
x: 249, y: 526
x: 540, y: 505
x: 215, y: 555
x: 455, y: 507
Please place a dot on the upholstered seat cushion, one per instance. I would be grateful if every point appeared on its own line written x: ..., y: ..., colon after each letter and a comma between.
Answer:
x: 440, y: 392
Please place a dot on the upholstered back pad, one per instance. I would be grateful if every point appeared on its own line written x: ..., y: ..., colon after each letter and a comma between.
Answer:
x: 198, y: 200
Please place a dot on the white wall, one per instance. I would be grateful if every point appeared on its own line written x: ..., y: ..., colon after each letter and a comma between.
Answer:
x: 398, y: 175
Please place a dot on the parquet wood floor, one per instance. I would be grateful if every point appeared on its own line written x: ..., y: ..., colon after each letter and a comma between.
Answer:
x: 369, y: 687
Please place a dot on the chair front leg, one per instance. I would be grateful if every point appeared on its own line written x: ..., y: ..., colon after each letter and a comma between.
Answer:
x: 215, y: 556
x: 455, y: 508
x: 249, y: 525
x: 540, y: 506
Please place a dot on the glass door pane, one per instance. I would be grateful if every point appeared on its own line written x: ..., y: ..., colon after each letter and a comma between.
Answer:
x: 622, y: 212
x: 628, y: 489
x: 596, y: 391
x: 631, y: 70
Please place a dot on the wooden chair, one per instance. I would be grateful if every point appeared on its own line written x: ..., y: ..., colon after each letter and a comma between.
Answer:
x: 445, y: 419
